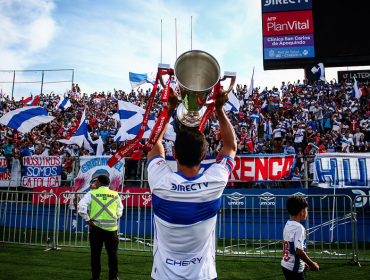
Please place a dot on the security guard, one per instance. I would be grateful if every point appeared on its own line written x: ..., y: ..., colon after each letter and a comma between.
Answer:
x: 106, y: 209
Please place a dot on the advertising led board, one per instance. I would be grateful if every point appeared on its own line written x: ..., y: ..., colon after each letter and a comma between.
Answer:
x: 289, y: 46
x: 336, y: 39
x: 287, y: 23
x: 360, y: 75
x: 269, y: 6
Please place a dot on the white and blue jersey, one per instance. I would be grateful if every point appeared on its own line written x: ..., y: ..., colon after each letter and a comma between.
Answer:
x: 294, y: 237
x: 255, y: 117
x: 185, y: 213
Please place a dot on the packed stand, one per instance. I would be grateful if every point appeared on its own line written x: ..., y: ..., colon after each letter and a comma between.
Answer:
x: 302, y: 118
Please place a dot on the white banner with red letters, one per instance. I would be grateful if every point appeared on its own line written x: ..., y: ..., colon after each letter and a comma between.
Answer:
x: 42, y: 171
x: 253, y: 168
x: 10, y: 177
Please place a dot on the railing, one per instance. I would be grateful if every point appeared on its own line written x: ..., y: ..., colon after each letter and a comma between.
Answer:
x: 142, y: 181
x: 252, y: 227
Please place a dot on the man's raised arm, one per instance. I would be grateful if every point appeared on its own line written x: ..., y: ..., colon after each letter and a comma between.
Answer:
x: 227, y: 131
x: 158, y: 149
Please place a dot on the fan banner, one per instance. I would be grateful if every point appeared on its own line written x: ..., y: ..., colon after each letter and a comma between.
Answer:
x: 342, y: 170
x: 92, y: 167
x: 253, y: 168
x: 42, y: 171
x: 9, y: 177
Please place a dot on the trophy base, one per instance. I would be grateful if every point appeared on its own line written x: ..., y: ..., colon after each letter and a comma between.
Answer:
x: 177, y: 125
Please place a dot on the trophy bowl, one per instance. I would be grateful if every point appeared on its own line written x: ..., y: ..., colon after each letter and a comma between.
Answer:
x: 196, y: 72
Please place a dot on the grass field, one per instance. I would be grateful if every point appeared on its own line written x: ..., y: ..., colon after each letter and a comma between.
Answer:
x: 33, y: 262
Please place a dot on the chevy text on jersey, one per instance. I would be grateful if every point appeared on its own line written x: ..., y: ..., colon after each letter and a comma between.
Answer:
x: 185, y: 212
x: 294, y: 238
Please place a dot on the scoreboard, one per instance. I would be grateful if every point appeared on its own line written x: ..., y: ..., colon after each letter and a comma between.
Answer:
x: 298, y: 33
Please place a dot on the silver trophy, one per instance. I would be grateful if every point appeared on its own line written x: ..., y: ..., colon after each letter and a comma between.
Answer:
x: 196, y: 72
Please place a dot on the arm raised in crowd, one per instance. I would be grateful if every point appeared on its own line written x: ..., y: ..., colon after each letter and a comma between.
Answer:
x: 227, y: 131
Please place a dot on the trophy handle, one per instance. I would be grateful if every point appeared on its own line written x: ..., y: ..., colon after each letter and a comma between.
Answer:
x: 161, y: 67
x: 231, y: 75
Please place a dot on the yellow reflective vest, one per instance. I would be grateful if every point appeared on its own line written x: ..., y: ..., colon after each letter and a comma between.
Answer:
x: 104, y: 203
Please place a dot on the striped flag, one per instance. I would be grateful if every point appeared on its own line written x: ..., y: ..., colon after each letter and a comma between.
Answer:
x: 232, y: 104
x: 64, y: 103
x: 131, y: 117
x: 357, y: 92
x: 25, y: 119
x: 81, y: 137
x: 319, y: 71
x: 139, y: 79
x: 32, y: 101
x: 250, y: 90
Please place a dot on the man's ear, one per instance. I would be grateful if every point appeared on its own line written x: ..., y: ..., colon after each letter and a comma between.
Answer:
x: 174, y: 154
x: 205, y: 154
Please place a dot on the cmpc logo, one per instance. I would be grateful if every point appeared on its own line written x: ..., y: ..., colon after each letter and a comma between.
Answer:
x: 236, y: 197
x: 267, y: 198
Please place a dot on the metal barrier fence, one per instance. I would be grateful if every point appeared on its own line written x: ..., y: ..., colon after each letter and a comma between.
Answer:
x: 142, y: 180
x: 247, y: 225
x: 362, y: 230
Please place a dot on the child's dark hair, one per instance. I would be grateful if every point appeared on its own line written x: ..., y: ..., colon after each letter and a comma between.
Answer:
x: 295, y: 204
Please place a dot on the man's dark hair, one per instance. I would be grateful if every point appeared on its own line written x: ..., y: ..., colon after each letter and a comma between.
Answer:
x: 295, y: 204
x: 190, y: 147
x: 104, y: 180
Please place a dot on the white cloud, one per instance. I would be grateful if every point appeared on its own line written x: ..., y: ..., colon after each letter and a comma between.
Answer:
x: 28, y: 28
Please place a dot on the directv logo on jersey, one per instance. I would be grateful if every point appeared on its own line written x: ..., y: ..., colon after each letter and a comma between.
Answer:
x: 188, y: 188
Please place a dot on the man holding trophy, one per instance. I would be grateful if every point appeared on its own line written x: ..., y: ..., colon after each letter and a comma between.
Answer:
x: 185, y: 203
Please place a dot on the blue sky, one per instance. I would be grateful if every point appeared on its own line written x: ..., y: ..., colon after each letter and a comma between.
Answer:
x: 104, y: 40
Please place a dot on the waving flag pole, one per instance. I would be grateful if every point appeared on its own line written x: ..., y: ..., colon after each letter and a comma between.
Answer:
x: 233, y: 103
x: 131, y: 117
x: 319, y: 71
x: 250, y: 90
x: 356, y: 89
x: 63, y: 103
x: 139, y: 79
x: 25, y: 119
x: 81, y: 137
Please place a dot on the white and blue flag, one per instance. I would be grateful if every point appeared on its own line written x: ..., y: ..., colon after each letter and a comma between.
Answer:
x: 63, y: 103
x: 356, y: 90
x: 100, y: 146
x: 233, y: 103
x: 81, y: 137
x: 139, y: 79
x: 250, y: 90
x: 170, y: 132
x: 131, y: 117
x: 319, y: 71
x: 25, y: 119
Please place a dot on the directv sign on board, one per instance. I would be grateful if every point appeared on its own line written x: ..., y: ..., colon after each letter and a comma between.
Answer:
x: 285, y: 5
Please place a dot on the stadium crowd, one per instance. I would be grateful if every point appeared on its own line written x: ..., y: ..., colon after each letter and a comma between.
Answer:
x: 299, y: 117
